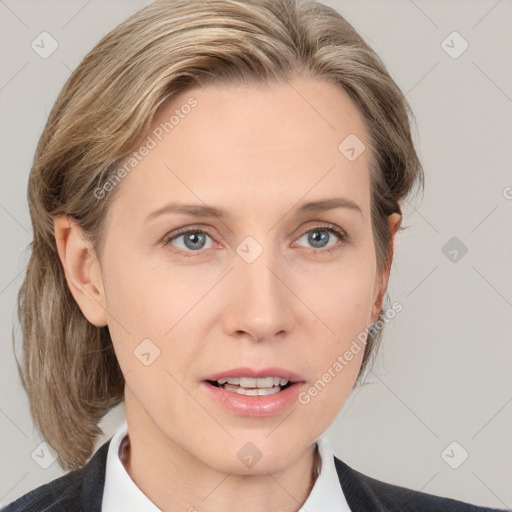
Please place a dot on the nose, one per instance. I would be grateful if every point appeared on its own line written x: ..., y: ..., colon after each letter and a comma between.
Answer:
x: 261, y: 305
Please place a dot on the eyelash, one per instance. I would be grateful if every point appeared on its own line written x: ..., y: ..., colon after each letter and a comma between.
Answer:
x: 321, y: 227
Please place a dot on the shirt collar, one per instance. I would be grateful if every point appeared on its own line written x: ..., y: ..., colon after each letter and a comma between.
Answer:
x: 121, y: 494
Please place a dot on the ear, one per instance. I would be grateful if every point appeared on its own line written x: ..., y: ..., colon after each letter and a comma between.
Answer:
x: 381, y: 282
x: 82, y: 269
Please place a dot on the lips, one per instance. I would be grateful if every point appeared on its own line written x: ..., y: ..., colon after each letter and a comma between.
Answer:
x: 271, y: 371
x: 254, y: 406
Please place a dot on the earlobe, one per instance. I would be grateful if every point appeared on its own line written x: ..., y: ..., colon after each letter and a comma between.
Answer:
x: 394, y: 222
x: 377, y: 307
x: 82, y: 269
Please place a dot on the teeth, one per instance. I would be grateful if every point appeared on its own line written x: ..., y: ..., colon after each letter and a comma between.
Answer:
x: 248, y: 382
x: 251, y: 392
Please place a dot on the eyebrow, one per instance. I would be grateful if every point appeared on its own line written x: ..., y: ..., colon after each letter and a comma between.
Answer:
x: 198, y: 210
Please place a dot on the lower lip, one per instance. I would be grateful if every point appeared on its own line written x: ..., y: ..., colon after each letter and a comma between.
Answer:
x: 260, y: 405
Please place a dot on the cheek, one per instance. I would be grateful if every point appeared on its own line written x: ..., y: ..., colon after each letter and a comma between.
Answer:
x: 152, y: 313
x: 136, y: 310
x: 344, y: 307
x: 145, y: 300
x: 341, y: 295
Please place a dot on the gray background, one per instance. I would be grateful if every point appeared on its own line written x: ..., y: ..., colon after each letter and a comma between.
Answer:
x: 443, y: 374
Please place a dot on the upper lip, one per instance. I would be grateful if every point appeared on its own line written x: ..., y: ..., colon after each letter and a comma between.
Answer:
x: 271, y: 371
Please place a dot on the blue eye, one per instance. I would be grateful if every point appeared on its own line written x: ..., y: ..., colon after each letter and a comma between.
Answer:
x: 194, y: 240
x: 318, y: 237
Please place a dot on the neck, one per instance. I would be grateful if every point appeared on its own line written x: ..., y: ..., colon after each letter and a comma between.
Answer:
x: 173, y: 479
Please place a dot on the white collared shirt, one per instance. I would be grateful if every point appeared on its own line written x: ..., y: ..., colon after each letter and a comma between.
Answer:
x: 121, y: 494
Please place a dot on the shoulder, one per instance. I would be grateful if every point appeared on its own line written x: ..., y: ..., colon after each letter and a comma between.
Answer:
x: 80, y: 490
x: 366, y: 493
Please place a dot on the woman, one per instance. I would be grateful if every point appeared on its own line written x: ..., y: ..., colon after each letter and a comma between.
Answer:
x: 215, y: 199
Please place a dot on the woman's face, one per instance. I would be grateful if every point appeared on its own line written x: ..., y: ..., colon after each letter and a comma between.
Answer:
x: 267, y: 284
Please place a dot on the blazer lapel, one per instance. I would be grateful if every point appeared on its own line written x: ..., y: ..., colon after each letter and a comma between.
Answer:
x: 94, y: 480
x: 360, y: 497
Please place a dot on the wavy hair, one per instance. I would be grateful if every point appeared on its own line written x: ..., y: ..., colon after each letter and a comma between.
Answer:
x: 69, y: 370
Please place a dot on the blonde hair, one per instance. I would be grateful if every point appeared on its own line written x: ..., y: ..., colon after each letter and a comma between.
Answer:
x: 70, y: 371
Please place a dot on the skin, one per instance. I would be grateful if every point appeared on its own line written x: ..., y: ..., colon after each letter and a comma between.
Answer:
x: 258, y: 152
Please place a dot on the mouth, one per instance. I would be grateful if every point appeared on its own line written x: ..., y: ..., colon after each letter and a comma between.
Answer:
x: 248, y: 387
x: 254, y: 393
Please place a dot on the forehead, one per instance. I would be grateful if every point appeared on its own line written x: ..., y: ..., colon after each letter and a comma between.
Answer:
x: 251, y: 146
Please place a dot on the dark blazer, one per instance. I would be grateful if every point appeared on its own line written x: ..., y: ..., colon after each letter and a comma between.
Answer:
x: 82, y: 491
